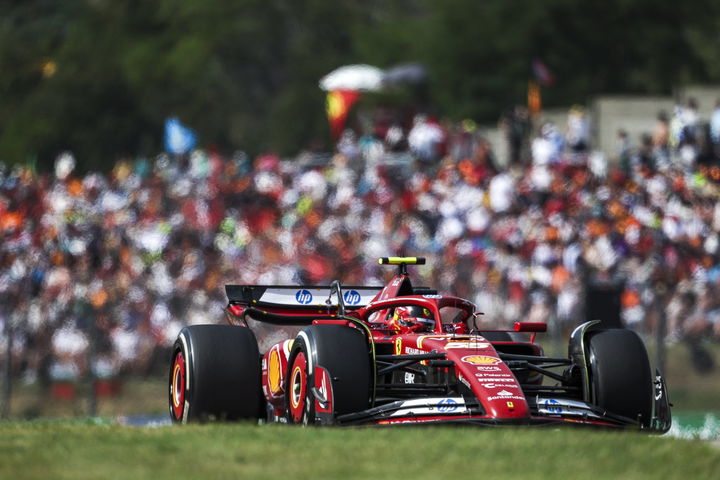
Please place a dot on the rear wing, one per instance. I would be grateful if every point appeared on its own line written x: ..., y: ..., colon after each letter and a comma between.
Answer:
x: 299, y: 296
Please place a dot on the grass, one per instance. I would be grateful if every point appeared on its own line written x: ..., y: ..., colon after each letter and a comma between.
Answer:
x: 64, y: 450
x: 137, y: 396
x: 689, y: 389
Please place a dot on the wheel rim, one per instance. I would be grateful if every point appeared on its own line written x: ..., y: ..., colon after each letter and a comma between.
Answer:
x: 177, y: 387
x: 298, y: 388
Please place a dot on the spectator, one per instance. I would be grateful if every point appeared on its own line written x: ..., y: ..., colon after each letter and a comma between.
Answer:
x: 122, y: 261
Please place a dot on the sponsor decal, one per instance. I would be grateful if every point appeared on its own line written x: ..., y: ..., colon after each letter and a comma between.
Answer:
x: 506, y: 397
x: 485, y: 378
x: 552, y: 406
x: 498, y: 385
x: 480, y: 360
x: 564, y: 407
x: 431, y: 406
x: 432, y: 296
x: 274, y: 374
x: 414, y: 351
x: 495, y: 375
x: 489, y: 369
x: 323, y: 387
x: 447, y: 405
x: 303, y: 297
x: 422, y: 338
x: 504, y: 393
x: 478, y: 345
x: 352, y: 297
x: 409, y: 377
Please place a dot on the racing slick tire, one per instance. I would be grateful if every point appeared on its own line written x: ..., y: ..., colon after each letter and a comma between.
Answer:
x: 620, y: 374
x: 343, y: 352
x: 215, y: 374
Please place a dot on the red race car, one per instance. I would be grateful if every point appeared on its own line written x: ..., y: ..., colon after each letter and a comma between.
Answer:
x: 350, y: 355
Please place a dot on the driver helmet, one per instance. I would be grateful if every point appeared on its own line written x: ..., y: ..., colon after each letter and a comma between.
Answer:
x: 413, y: 318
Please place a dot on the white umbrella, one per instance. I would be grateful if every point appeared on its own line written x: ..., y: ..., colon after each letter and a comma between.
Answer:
x: 353, y: 77
x: 405, y: 73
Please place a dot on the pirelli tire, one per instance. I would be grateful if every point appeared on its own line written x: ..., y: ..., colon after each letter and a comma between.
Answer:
x: 215, y: 375
x: 620, y: 374
x: 342, y: 351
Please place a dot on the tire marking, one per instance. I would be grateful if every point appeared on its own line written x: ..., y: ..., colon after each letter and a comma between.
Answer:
x: 310, y: 350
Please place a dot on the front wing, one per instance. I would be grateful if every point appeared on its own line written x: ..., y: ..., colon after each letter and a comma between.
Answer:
x: 462, y: 410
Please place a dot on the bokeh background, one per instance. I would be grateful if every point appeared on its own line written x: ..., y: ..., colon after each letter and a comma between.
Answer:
x: 554, y: 161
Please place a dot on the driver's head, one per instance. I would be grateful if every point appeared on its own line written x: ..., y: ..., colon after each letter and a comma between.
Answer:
x: 413, y: 318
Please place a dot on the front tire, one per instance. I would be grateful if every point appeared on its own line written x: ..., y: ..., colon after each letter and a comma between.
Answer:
x: 215, y: 374
x: 343, y: 352
x: 620, y: 375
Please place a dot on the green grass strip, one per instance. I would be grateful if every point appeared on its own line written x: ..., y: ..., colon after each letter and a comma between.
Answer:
x: 64, y: 450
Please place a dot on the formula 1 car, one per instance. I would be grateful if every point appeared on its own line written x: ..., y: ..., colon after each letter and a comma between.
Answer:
x: 361, y: 355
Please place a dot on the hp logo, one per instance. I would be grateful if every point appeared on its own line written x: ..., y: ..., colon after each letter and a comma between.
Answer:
x: 351, y: 297
x: 447, y: 405
x: 303, y: 297
x: 553, y: 406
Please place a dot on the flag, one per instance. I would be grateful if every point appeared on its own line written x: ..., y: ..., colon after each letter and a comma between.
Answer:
x: 542, y: 73
x: 338, y: 105
x: 534, y: 100
x: 178, y: 138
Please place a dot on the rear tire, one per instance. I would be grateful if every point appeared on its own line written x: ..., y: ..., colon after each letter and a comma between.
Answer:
x: 620, y: 375
x: 343, y: 352
x: 215, y: 374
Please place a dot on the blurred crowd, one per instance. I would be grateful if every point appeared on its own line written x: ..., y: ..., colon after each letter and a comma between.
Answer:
x: 98, y: 272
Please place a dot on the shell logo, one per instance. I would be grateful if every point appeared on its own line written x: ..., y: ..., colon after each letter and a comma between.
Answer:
x: 480, y: 360
x: 274, y: 372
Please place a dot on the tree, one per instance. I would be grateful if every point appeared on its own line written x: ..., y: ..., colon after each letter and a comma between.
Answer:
x: 100, y: 77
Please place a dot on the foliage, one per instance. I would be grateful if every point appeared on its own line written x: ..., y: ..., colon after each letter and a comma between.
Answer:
x: 99, y: 77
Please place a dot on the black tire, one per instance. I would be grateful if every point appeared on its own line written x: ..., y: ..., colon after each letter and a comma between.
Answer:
x: 215, y: 374
x: 620, y: 375
x: 343, y: 352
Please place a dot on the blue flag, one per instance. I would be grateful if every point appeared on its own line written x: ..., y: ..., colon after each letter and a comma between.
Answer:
x: 178, y: 138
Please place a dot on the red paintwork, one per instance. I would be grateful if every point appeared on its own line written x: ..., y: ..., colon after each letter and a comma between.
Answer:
x: 324, y: 386
x: 275, y: 393
x: 536, y: 327
x: 344, y: 323
x: 477, y: 363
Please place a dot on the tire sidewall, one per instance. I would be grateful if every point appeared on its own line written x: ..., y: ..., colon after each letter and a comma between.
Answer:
x: 182, y: 346
x: 222, y: 374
